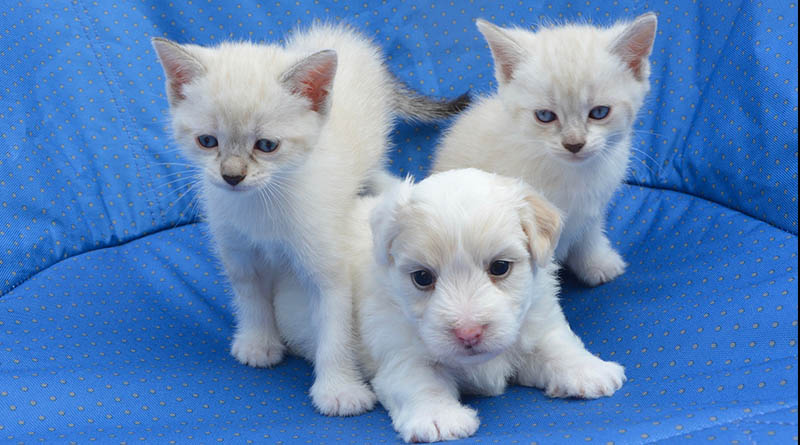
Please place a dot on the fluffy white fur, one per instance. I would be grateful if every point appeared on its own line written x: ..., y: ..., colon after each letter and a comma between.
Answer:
x: 567, y: 70
x: 456, y: 224
x: 325, y: 98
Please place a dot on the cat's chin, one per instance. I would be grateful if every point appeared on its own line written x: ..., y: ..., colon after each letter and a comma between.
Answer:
x: 236, y: 190
x: 576, y: 158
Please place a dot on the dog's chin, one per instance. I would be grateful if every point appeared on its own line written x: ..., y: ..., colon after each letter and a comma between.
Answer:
x: 470, y: 357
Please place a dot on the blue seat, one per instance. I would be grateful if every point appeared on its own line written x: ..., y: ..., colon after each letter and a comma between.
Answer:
x: 115, y: 320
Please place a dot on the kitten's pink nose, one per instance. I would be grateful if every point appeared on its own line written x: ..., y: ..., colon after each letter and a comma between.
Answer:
x: 469, y: 335
x: 573, y: 147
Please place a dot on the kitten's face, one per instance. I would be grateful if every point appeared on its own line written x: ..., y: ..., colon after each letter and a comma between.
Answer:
x: 574, y: 90
x: 237, y: 114
x: 574, y: 107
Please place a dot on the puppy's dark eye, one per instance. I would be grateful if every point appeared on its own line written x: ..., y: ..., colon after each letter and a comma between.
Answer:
x: 423, y: 279
x: 545, y: 116
x: 266, y: 145
x: 207, y: 141
x: 599, y: 113
x: 499, y: 269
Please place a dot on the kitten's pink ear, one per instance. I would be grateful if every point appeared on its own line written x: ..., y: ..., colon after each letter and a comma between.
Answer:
x: 180, y: 67
x: 384, y: 220
x: 312, y: 78
x: 506, y: 52
x: 541, y: 222
x: 635, y: 44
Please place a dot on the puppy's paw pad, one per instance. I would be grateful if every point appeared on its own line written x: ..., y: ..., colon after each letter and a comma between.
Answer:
x: 602, y: 267
x: 257, y: 350
x: 588, y: 379
x: 448, y: 422
x: 342, y: 399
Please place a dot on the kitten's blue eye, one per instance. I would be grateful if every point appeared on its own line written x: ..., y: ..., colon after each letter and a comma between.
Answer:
x: 599, y: 113
x: 423, y: 279
x: 266, y: 145
x: 545, y: 116
x: 207, y: 141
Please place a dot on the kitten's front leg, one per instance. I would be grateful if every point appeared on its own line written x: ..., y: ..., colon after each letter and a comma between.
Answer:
x: 423, y: 404
x: 556, y: 360
x: 257, y: 341
x: 339, y: 389
x: 593, y: 259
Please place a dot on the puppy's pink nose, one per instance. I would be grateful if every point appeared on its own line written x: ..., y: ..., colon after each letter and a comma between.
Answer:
x: 469, y: 335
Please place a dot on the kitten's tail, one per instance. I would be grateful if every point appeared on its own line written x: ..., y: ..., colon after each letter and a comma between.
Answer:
x: 414, y: 106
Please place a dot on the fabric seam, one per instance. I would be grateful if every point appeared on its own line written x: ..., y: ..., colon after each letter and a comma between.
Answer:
x: 116, y: 94
x: 705, y: 198
x: 734, y: 422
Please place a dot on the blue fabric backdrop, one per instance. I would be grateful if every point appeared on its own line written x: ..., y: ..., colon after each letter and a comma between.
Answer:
x: 115, y: 320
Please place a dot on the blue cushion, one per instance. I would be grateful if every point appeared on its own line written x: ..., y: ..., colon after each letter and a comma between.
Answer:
x: 115, y: 321
x: 132, y: 342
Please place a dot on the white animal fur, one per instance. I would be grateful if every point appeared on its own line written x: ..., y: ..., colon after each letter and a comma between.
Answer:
x: 568, y: 70
x: 455, y: 224
x: 289, y: 212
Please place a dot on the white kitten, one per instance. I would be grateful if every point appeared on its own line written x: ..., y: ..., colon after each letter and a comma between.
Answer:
x: 283, y: 138
x: 561, y: 119
x: 455, y: 292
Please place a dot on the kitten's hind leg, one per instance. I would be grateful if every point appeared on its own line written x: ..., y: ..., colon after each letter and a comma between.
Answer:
x: 593, y: 259
x: 256, y: 341
x: 339, y: 389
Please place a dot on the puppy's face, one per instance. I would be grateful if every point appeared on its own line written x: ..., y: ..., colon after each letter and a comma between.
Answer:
x: 463, y: 249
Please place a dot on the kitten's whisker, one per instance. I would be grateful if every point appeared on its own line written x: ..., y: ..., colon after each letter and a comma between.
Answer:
x: 188, y: 188
x: 655, y: 161
x: 182, y: 172
x: 195, y: 176
x: 648, y: 133
x: 195, y: 198
x: 273, y: 190
x: 174, y: 181
x: 195, y: 207
x: 180, y: 192
x: 183, y: 164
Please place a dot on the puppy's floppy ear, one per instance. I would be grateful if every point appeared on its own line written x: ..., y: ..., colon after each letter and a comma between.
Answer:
x: 541, y: 222
x: 180, y: 66
x: 384, y: 220
x: 312, y: 78
x: 506, y: 52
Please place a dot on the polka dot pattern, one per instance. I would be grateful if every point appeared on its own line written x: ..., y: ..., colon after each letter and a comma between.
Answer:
x: 115, y: 321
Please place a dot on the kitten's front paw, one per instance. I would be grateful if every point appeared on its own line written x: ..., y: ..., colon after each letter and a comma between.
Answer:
x: 448, y: 421
x: 588, y: 378
x: 332, y: 397
x: 598, y: 267
x: 257, y: 349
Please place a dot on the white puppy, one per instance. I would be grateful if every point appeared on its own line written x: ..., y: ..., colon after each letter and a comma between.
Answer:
x: 455, y: 292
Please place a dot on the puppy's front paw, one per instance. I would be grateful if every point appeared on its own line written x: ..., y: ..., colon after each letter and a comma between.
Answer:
x: 588, y: 378
x: 257, y: 349
x: 333, y: 397
x: 599, y: 266
x: 447, y: 421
